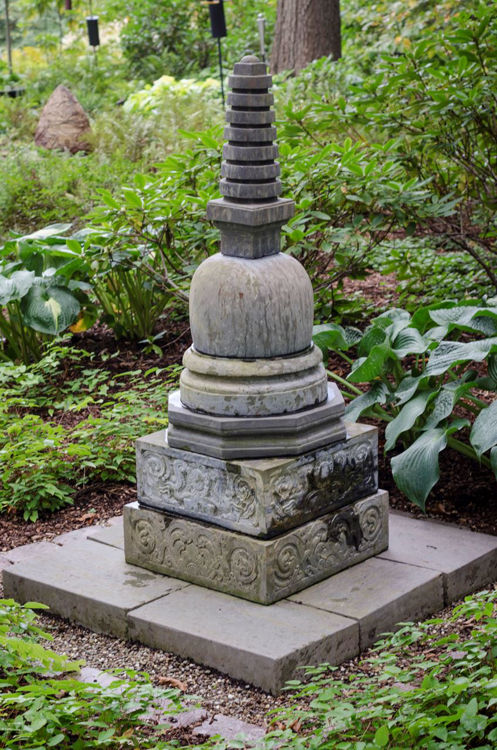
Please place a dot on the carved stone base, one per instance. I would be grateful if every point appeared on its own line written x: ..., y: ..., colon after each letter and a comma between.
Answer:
x: 260, y: 497
x: 262, y: 571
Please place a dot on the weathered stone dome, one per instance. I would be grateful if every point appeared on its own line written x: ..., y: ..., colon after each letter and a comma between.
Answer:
x: 251, y: 308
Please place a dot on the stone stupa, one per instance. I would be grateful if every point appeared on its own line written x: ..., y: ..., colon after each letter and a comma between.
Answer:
x: 257, y: 488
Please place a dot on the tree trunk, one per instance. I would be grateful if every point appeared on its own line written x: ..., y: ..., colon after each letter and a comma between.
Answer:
x: 305, y: 30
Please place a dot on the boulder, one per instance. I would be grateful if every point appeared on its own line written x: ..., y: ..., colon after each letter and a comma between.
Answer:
x: 63, y: 123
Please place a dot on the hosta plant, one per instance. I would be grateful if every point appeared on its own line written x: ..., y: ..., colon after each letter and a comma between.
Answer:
x: 42, y: 291
x: 433, y: 378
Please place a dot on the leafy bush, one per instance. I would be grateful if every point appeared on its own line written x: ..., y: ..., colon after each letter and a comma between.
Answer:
x: 432, y: 98
x: 349, y: 198
x: 422, y: 383
x: 144, y: 244
x: 428, y: 686
x: 175, y: 37
x: 42, y: 705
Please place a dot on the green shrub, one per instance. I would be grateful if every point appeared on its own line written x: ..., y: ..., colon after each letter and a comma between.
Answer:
x: 145, y: 243
x: 421, y: 382
x: 43, y: 462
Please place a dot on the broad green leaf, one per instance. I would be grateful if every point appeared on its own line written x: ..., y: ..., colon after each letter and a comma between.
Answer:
x: 377, y: 394
x: 372, y: 366
x: 407, y: 417
x: 16, y: 286
x: 382, y: 736
x: 449, y: 353
x: 374, y: 335
x: 49, y: 310
x: 467, y: 317
x: 51, y: 231
x: 407, y: 388
x: 409, y: 341
x: 445, y: 401
x: 416, y: 470
x: 332, y: 337
x: 484, y: 433
x: 422, y: 319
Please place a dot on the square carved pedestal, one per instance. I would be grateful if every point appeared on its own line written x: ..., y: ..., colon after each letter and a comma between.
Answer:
x: 260, y: 497
x: 261, y: 570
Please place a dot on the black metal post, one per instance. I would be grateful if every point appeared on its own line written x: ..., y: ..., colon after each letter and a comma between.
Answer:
x: 221, y: 75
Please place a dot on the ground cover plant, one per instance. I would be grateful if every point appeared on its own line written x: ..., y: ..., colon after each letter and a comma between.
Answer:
x: 43, y: 704
x: 426, y: 686
x: 59, y: 434
x: 429, y: 685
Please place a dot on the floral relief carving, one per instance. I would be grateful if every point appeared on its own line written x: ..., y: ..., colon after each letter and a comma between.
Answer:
x: 195, y: 552
x: 185, y: 486
x: 327, y: 544
x: 334, y: 475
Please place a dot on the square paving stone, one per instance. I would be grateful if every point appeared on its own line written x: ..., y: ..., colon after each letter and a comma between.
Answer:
x: 112, y: 535
x: 86, y: 582
x: 263, y: 645
x: 467, y: 559
x: 379, y: 594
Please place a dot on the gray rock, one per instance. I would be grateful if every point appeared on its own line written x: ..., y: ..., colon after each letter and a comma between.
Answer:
x: 63, y: 123
x: 230, y: 728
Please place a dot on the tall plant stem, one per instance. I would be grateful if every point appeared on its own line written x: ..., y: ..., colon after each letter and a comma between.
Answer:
x: 466, y: 450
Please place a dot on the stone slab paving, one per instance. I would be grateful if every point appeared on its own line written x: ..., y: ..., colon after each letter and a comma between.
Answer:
x: 378, y: 594
x: 82, y: 575
x: 263, y: 645
x: 468, y: 560
x: 86, y: 582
